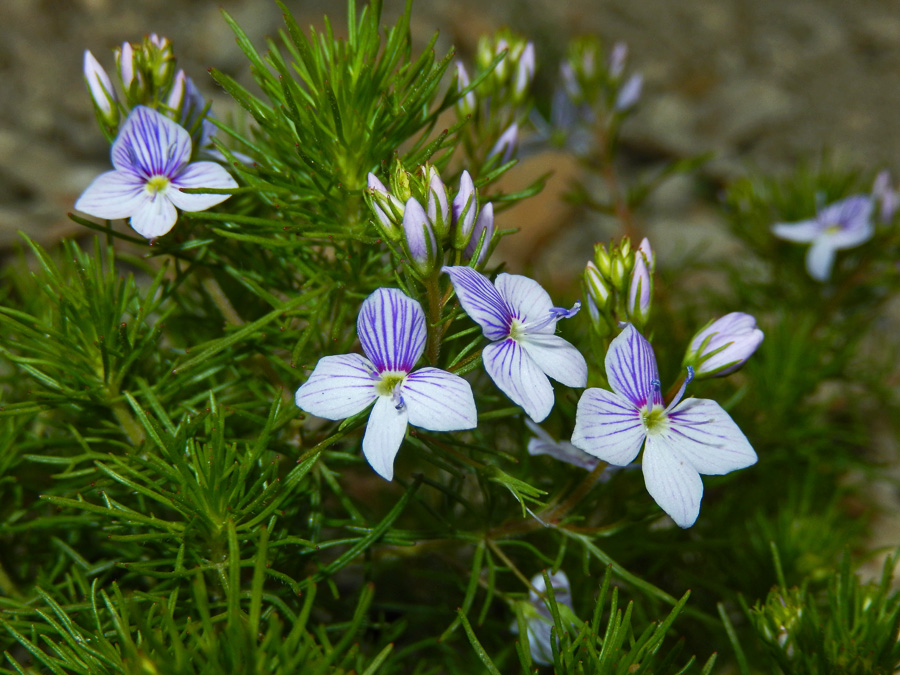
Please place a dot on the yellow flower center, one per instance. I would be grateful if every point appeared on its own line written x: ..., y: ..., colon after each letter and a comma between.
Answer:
x: 655, y: 420
x: 516, y: 329
x: 157, y: 184
x: 389, y: 381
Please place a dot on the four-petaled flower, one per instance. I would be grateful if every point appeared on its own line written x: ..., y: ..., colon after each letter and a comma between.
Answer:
x: 517, y: 315
x: 844, y: 224
x: 151, y: 158
x: 683, y: 440
x: 391, y: 328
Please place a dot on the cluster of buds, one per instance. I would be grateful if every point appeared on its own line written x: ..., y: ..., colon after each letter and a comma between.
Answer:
x: 147, y: 76
x: 619, y: 285
x: 587, y: 81
x: 425, y: 232
x: 504, y: 67
x: 722, y: 346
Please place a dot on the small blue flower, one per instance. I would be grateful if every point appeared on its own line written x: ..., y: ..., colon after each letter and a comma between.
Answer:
x: 681, y: 441
x: 539, y: 620
x: 844, y: 224
x: 151, y: 158
x: 391, y: 328
x: 519, y: 318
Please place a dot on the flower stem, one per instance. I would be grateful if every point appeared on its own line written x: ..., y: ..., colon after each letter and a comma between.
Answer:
x: 435, y: 329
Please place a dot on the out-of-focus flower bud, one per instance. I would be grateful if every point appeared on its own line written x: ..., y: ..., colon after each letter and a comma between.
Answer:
x: 125, y: 64
x: 506, y: 144
x: 419, y: 238
x: 649, y: 255
x: 640, y: 294
x: 723, y: 345
x: 467, y: 104
x: 597, y: 288
x: 437, y: 206
x: 101, y: 89
x: 160, y: 60
x: 629, y: 93
x: 387, y: 209
x: 885, y: 196
x: 619, y: 272
x: 465, y: 206
x: 482, y: 235
x: 524, y: 72
x: 617, y: 58
x: 176, y: 94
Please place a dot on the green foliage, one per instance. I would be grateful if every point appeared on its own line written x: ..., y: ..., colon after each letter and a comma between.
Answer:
x: 166, y: 508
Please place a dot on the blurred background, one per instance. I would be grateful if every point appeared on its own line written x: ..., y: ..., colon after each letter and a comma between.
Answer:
x: 759, y: 83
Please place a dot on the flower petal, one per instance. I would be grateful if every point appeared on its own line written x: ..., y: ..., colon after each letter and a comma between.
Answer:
x: 527, y: 299
x: 561, y: 451
x: 481, y: 301
x: 151, y: 144
x: 802, y: 232
x: 384, y: 434
x: 701, y: 432
x: 557, y: 358
x: 439, y: 401
x: 518, y: 376
x: 112, y: 195
x: 631, y: 369
x: 672, y: 481
x: 339, y: 387
x: 608, y: 426
x: 820, y: 259
x: 200, y: 175
x: 391, y: 328
x: 155, y: 216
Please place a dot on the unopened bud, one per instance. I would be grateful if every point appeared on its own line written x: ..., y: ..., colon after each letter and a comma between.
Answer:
x: 465, y: 206
x: 101, y: 89
x: 596, y: 286
x: 603, y: 261
x: 629, y: 93
x: 482, y: 235
x: 467, y: 104
x: 524, y: 72
x: 648, y: 254
x: 724, y: 345
x: 617, y: 59
x: 387, y: 209
x: 419, y: 238
x: 438, y: 208
x: 640, y: 293
x: 176, y: 94
x: 125, y: 64
x: 506, y: 144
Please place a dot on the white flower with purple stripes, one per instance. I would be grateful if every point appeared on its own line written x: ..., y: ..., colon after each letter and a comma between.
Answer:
x: 151, y: 156
x: 681, y: 441
x: 391, y: 328
x: 519, y: 318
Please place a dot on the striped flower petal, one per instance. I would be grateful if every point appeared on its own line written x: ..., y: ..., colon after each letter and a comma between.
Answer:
x: 672, y: 481
x: 557, y: 358
x: 391, y: 328
x: 113, y: 195
x: 481, y: 301
x: 155, y: 216
x: 631, y: 368
x: 339, y: 387
x: 439, y: 401
x: 704, y: 434
x: 200, y: 175
x: 529, y: 302
x: 384, y: 434
x: 608, y: 426
x: 519, y: 377
x: 151, y: 144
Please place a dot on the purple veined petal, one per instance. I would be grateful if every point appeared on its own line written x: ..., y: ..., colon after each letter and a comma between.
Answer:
x: 339, y: 387
x: 518, y: 376
x: 802, y: 232
x: 849, y: 213
x: 384, y: 434
x: 112, y: 195
x: 557, y: 358
x: 559, y: 450
x: 155, y: 216
x: 631, y: 369
x: 820, y: 259
x: 851, y: 236
x: 481, y: 301
x: 608, y: 426
x: 439, y: 401
x: 703, y: 434
x: 672, y: 481
x: 200, y: 175
x: 529, y: 302
x: 391, y: 328
x: 151, y: 144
